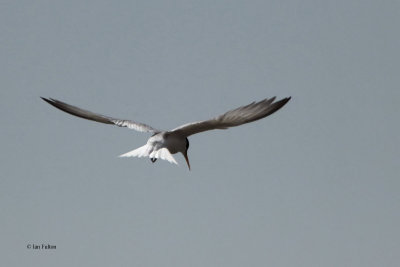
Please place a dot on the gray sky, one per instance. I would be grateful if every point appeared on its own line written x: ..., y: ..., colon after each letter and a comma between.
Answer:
x: 315, y: 184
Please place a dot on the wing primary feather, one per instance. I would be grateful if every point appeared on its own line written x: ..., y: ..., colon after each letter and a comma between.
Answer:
x: 85, y: 114
x: 245, y: 114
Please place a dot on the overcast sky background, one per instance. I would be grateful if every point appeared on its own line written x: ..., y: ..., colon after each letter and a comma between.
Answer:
x: 315, y: 184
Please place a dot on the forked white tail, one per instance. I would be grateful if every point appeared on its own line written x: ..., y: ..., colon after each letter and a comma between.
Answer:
x: 142, y: 151
x: 146, y: 151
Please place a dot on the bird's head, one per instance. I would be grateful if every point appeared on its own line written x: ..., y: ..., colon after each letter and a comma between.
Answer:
x: 185, y: 153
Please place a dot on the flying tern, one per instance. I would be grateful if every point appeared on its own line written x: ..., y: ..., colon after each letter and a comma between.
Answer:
x: 162, y: 144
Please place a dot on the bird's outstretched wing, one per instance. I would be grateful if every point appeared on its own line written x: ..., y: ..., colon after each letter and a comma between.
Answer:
x: 98, y: 117
x: 236, y: 117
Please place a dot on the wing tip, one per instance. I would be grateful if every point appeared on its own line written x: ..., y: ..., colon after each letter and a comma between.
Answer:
x: 45, y: 99
x: 281, y: 103
x: 286, y: 99
x: 272, y: 99
x: 49, y: 100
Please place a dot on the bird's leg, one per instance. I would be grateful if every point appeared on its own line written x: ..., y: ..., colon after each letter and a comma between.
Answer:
x: 153, y: 159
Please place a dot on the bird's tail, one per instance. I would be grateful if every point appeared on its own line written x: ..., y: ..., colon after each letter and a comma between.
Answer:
x: 146, y: 151
x: 143, y: 151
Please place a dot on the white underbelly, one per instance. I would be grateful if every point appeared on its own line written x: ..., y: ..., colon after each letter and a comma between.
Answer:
x: 172, y: 142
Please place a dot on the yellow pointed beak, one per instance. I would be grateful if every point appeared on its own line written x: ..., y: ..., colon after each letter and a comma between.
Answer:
x: 187, y: 159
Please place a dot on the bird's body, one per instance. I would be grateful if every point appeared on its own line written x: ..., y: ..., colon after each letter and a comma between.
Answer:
x: 162, y: 144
